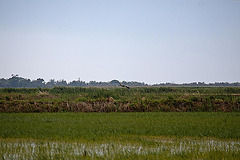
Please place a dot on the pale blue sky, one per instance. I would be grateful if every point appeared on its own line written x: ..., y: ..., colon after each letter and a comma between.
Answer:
x: 149, y: 41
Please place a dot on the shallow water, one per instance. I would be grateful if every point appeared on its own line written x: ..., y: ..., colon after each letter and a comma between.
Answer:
x: 32, y: 149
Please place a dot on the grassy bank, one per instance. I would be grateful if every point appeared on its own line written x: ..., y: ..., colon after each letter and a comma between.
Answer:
x: 145, y: 99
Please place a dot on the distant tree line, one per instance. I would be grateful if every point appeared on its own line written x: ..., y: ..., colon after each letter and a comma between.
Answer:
x: 18, y: 82
x: 199, y: 84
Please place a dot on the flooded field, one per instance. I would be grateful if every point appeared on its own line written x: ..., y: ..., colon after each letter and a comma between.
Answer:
x: 149, y: 147
x: 153, y: 135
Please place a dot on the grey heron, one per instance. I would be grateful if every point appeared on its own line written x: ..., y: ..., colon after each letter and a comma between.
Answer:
x: 123, y: 85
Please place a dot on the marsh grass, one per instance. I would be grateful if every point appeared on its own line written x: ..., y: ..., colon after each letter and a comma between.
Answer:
x: 92, y: 126
x: 153, y: 148
x: 145, y: 99
x: 152, y: 135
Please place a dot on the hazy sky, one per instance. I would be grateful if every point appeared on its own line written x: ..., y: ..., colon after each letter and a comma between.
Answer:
x: 149, y: 41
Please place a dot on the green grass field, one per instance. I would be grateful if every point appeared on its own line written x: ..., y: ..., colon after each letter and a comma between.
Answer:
x: 151, y: 135
x: 91, y: 126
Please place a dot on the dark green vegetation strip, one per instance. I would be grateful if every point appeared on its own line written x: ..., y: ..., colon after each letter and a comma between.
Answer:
x: 97, y: 126
x: 143, y: 99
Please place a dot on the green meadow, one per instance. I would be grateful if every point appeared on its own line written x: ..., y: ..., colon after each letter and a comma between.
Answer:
x: 97, y: 126
x: 150, y: 135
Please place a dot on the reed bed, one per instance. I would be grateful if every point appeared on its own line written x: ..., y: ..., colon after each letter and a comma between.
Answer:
x: 143, y: 99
